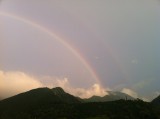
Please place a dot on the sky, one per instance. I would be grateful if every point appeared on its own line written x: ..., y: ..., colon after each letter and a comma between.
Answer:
x: 87, y: 47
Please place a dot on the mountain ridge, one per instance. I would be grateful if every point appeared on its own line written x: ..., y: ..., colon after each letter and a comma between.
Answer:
x: 156, y: 100
x: 58, y: 91
x: 112, y: 96
x: 55, y: 103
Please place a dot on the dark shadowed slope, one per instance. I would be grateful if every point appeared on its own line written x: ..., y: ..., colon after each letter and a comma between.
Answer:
x: 37, y: 98
x: 31, y: 99
x: 156, y: 100
x: 65, y: 97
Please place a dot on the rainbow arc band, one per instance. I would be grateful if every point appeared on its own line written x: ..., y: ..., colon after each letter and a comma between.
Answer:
x: 59, y: 39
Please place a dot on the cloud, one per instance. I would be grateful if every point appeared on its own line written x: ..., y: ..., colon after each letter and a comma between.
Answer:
x: 145, y: 99
x: 12, y: 83
x: 129, y: 92
x: 95, y: 89
x: 134, y: 94
x: 15, y: 82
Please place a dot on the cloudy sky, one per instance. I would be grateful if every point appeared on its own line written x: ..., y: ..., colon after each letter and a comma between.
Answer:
x: 84, y: 46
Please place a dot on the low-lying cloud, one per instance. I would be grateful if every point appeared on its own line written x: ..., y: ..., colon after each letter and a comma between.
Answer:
x: 133, y: 94
x: 130, y: 92
x: 15, y: 82
x: 12, y: 83
x: 95, y: 89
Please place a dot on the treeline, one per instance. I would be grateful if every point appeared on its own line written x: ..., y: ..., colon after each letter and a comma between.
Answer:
x: 121, y: 109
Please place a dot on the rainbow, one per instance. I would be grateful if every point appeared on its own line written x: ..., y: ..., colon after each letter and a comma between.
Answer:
x: 59, y: 39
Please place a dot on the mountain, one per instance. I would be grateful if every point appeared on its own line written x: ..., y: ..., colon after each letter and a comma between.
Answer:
x: 156, y: 100
x: 31, y: 99
x: 112, y: 96
x: 65, y: 97
x: 45, y: 103
x: 37, y: 98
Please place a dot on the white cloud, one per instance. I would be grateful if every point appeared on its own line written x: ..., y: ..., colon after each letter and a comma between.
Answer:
x: 95, y: 89
x: 12, y: 83
x: 134, y: 94
x: 15, y: 82
x: 130, y: 92
x: 145, y: 99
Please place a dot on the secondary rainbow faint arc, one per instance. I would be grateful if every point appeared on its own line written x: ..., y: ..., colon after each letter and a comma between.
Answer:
x: 63, y: 42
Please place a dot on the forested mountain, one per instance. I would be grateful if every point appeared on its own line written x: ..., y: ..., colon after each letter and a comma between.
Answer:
x: 45, y: 103
x: 111, y: 96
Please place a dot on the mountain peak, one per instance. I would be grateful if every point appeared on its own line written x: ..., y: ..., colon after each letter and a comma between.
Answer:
x: 58, y: 90
x: 66, y: 97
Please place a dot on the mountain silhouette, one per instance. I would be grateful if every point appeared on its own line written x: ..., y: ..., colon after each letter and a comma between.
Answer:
x: 65, y: 97
x: 112, y: 96
x: 156, y: 100
x: 38, y: 98
x: 55, y: 103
